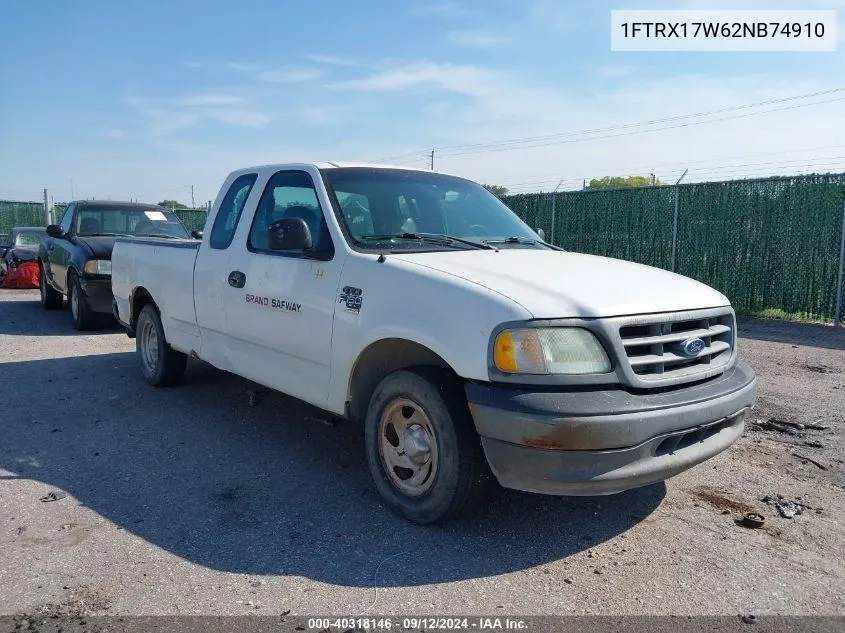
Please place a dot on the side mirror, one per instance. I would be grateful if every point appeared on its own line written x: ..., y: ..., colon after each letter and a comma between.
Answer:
x: 542, y: 234
x: 196, y: 234
x: 54, y: 230
x: 289, y: 234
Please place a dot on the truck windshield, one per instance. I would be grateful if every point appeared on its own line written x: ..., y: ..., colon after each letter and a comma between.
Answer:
x: 129, y: 221
x: 385, y: 206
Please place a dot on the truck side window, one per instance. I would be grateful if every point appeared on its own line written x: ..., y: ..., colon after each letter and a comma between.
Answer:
x: 230, y: 210
x: 67, y: 219
x: 290, y: 194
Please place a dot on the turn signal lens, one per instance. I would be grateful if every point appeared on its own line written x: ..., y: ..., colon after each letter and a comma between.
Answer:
x: 504, y: 356
x: 97, y: 267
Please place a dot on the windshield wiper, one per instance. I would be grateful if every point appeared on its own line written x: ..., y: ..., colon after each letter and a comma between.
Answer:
x: 513, y: 240
x: 106, y: 235
x: 440, y: 238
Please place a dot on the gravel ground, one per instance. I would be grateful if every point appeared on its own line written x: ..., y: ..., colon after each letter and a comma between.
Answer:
x: 204, y: 499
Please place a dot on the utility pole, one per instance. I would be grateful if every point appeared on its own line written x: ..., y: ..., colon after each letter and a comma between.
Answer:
x: 554, y: 197
x: 193, y: 204
x: 432, y: 160
x: 48, y: 219
x: 675, y: 221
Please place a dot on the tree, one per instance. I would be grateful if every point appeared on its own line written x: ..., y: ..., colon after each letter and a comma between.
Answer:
x: 172, y: 204
x: 610, y: 182
x: 496, y: 190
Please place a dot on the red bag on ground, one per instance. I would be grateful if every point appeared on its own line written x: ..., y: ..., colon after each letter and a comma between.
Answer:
x: 23, y: 277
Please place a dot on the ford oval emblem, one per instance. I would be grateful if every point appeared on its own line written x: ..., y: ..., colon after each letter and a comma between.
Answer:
x: 693, y: 346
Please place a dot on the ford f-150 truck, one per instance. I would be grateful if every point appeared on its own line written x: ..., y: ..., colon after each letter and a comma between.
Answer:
x: 418, y: 304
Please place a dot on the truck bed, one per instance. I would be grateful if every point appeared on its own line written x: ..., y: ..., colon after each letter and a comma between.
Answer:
x: 164, y: 268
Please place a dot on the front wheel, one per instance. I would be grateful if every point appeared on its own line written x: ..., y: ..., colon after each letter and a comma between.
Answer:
x: 422, y: 448
x: 161, y: 365
x: 84, y: 318
x: 50, y: 298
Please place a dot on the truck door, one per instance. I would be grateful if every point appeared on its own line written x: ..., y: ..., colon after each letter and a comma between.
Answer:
x: 211, y: 272
x: 58, y: 251
x: 280, y: 319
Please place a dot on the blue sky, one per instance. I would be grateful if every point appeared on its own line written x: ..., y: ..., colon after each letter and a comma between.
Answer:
x: 141, y: 100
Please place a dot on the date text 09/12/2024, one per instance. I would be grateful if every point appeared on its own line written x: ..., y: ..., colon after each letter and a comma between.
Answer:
x: 416, y: 623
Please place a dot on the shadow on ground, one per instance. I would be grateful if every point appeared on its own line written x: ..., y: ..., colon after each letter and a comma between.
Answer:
x: 790, y: 332
x: 264, y: 489
x: 24, y: 316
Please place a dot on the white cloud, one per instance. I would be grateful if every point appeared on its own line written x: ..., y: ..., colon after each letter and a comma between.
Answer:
x: 244, y: 67
x: 192, y: 64
x: 208, y: 99
x: 323, y: 115
x: 334, y: 60
x: 161, y: 122
x: 614, y: 71
x: 115, y: 134
x: 464, y: 79
x: 440, y: 9
x: 290, y: 75
x: 242, y: 118
x: 477, y: 39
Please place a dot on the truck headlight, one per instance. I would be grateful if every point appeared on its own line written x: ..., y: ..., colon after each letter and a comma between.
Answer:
x: 557, y: 350
x: 97, y: 267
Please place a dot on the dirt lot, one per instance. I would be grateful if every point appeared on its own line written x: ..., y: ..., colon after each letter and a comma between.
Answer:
x: 205, y: 499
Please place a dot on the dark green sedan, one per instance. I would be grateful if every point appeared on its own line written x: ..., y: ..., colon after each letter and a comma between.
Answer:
x: 74, y: 258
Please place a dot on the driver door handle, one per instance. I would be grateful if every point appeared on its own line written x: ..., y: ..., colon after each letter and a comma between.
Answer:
x: 237, y: 279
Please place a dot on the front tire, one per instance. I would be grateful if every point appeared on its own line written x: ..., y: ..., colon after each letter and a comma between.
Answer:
x: 161, y: 365
x: 84, y: 318
x: 50, y: 299
x: 424, y: 454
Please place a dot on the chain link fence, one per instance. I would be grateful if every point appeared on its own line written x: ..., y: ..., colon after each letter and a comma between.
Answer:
x: 773, y: 246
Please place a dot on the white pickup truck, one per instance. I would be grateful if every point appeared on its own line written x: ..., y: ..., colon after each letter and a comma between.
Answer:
x: 418, y: 304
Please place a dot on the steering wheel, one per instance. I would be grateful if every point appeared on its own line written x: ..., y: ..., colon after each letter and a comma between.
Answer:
x: 477, y: 229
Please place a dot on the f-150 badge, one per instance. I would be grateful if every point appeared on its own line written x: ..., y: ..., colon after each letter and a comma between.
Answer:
x: 353, y: 298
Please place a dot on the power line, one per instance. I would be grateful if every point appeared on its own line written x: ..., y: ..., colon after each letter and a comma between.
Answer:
x: 555, y: 139
x: 642, y: 123
x: 633, y: 132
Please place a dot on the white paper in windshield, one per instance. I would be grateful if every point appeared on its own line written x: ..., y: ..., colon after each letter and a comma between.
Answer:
x: 155, y: 216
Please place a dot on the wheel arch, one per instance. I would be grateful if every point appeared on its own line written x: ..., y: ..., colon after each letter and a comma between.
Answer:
x: 379, y: 359
x: 137, y: 300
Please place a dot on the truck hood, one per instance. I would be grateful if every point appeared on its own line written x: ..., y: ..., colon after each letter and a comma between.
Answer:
x: 100, y: 247
x: 555, y: 284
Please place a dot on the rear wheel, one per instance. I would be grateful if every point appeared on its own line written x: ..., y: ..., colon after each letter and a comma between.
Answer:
x: 50, y: 299
x: 84, y: 318
x: 161, y: 365
x: 422, y: 448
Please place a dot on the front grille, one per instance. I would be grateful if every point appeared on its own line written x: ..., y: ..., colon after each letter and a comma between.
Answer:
x: 654, y: 349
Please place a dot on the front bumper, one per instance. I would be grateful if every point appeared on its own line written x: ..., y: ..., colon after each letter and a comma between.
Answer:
x: 603, y: 441
x: 98, y: 293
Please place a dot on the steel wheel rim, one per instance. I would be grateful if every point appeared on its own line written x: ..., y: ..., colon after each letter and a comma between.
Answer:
x: 74, y: 303
x: 407, y: 447
x: 148, y: 338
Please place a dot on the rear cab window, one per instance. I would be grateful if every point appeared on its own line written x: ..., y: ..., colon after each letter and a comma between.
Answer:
x: 226, y: 221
